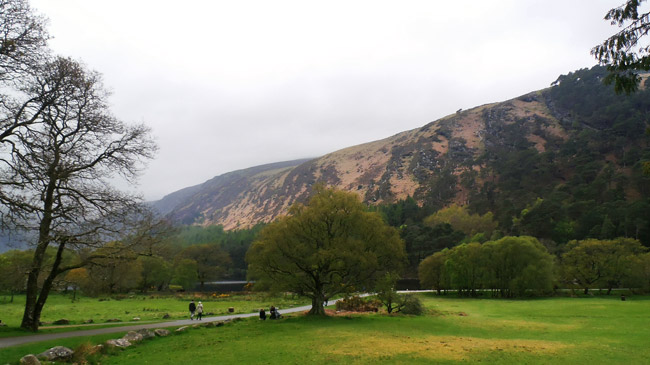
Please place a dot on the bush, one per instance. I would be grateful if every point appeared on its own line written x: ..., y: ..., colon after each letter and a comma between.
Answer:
x: 412, y: 305
x: 358, y: 304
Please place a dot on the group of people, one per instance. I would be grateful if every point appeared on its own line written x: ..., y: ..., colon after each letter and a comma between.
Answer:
x: 198, y: 309
x: 273, y: 313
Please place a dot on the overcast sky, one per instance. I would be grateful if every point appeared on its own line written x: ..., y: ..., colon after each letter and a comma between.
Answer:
x: 227, y: 85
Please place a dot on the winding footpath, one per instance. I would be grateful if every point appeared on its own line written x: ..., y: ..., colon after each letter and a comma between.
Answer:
x: 13, y: 341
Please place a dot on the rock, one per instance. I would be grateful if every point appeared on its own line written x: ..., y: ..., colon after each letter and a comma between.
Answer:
x: 61, y: 321
x: 166, y: 315
x: 29, y: 360
x: 146, y: 333
x: 120, y: 342
x: 113, y: 320
x: 161, y: 332
x: 181, y: 329
x: 136, y: 318
x: 88, y: 321
x: 133, y: 336
x: 56, y: 353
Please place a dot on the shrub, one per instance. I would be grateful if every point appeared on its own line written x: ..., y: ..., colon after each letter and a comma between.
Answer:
x: 358, y: 304
x: 412, y: 305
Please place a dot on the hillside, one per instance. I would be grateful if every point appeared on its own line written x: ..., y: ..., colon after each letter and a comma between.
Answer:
x: 498, y: 157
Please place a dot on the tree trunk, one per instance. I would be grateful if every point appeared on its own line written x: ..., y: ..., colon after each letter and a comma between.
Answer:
x: 586, y: 291
x: 317, y: 306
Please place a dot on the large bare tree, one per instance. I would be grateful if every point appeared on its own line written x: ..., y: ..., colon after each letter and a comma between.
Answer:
x: 23, y: 39
x: 58, y: 174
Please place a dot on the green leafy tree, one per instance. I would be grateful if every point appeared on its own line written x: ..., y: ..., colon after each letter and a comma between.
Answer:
x: 185, y: 273
x: 466, y: 268
x: 211, y: 261
x: 330, y: 246
x: 516, y: 264
x: 14, y: 266
x: 593, y: 262
x: 386, y: 293
x: 461, y: 220
x: 156, y: 273
x: 115, y: 269
x: 432, y: 272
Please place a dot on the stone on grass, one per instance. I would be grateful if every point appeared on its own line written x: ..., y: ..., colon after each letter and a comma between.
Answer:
x: 113, y: 320
x: 161, y: 332
x: 61, y: 321
x: 120, y: 342
x: 133, y: 336
x: 136, y: 318
x: 58, y: 353
x: 181, y: 329
x: 29, y: 360
x: 146, y: 333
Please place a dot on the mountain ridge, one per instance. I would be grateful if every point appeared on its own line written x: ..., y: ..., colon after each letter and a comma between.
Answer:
x: 455, y: 159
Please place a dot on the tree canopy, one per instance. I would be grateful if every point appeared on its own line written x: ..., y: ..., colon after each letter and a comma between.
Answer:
x: 330, y: 246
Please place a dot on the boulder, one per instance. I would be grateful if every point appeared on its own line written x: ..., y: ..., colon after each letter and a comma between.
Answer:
x: 146, y: 333
x: 133, y: 336
x: 29, y: 360
x: 181, y: 329
x: 136, y: 318
x: 61, y: 321
x: 58, y: 353
x: 161, y: 332
x: 120, y: 342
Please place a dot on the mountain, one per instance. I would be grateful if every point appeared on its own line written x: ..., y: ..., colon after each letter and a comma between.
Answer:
x: 575, y: 141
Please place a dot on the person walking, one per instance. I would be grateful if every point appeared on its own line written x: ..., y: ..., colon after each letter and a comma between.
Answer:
x: 199, y: 311
x: 192, y: 309
x: 262, y: 314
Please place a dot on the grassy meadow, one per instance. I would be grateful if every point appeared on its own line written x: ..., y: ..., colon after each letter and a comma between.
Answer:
x: 595, y: 330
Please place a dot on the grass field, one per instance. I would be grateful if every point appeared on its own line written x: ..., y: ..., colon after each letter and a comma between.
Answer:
x: 147, y: 308
x: 597, y: 330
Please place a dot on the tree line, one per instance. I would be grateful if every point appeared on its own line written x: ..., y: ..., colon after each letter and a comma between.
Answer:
x: 184, y: 258
x: 520, y: 266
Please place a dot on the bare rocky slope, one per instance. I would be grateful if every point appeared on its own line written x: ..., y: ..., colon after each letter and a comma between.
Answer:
x: 451, y: 160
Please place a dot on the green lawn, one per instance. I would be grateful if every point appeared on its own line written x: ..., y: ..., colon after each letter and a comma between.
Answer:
x: 597, y: 330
